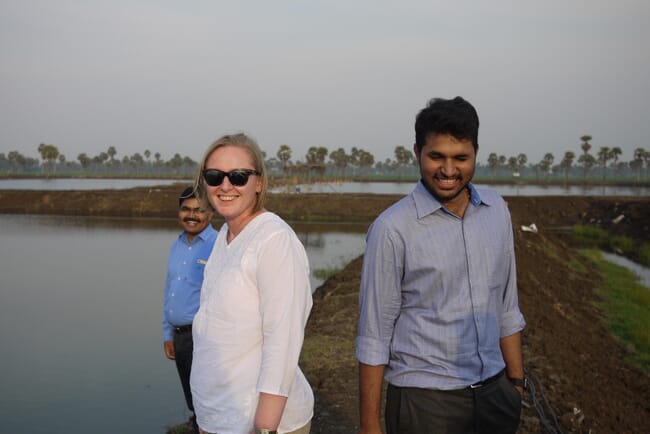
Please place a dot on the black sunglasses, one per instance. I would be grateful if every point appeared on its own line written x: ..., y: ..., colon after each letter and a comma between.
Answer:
x: 237, y: 177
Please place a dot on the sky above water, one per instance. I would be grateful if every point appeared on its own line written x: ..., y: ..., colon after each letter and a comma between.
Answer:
x: 172, y: 76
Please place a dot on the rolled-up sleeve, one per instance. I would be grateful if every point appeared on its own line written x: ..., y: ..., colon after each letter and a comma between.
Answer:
x: 379, y: 295
x: 512, y: 320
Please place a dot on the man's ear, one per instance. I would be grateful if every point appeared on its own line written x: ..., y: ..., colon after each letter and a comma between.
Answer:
x: 416, y: 151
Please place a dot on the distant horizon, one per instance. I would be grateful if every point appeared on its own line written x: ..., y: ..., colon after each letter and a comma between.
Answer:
x: 557, y: 158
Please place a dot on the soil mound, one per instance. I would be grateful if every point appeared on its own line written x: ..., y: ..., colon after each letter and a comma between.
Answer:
x: 574, y: 362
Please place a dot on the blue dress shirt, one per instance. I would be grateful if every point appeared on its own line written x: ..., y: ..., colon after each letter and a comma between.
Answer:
x: 184, y: 278
x: 438, y: 292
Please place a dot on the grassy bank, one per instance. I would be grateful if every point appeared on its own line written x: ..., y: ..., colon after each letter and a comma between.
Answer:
x: 626, y: 303
x: 595, y: 237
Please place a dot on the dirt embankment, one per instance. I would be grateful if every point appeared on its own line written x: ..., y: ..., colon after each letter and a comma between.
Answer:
x: 161, y: 202
x: 567, y: 349
x: 574, y: 361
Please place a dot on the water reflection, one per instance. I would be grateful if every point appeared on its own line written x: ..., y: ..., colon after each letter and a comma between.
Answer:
x: 505, y: 190
x: 80, y: 315
x: 642, y: 272
x: 82, y: 183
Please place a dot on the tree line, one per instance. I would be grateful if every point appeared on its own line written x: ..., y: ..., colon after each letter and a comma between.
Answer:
x: 318, y: 162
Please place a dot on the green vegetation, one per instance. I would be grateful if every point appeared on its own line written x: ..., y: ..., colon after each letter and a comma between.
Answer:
x: 604, y: 166
x: 644, y: 254
x: 590, y: 236
x: 627, y: 306
x: 593, y: 237
x: 326, y: 352
x: 183, y: 428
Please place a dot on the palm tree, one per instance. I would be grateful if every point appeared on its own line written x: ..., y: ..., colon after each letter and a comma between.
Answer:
x: 604, y: 155
x: 614, y: 153
x: 316, y: 155
x: 137, y: 161
x: 315, y: 158
x: 512, y: 164
x: 147, y: 155
x: 502, y: 161
x: 522, y: 159
x: 403, y: 157
x: 49, y: 154
x: 546, y: 164
x: 366, y: 160
x: 111, y: 152
x: 84, y: 160
x: 493, y: 163
x: 354, y: 156
x: 584, y: 159
x: 566, y: 164
x: 284, y: 155
x: 587, y: 161
x: 340, y: 159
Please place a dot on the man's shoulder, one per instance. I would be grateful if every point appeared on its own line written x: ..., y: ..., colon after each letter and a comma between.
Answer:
x: 211, y: 231
x: 492, y: 206
x: 209, y: 234
x: 179, y: 239
x: 490, y: 196
x: 397, y: 214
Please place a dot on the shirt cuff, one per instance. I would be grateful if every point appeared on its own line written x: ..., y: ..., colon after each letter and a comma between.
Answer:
x: 372, y: 351
x: 512, y: 322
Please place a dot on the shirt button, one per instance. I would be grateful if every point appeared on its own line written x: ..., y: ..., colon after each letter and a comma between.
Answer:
x: 178, y: 278
x: 184, y: 262
x: 189, y: 248
x: 173, y: 294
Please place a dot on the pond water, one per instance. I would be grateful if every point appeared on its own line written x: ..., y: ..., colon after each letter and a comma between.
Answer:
x: 504, y: 190
x: 82, y: 184
x: 642, y: 272
x: 80, y: 314
x: 80, y: 321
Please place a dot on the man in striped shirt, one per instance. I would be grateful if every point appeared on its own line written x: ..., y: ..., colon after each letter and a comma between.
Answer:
x: 439, y: 316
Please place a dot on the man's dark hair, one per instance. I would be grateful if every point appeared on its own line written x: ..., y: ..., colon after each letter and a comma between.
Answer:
x: 188, y: 193
x: 455, y: 117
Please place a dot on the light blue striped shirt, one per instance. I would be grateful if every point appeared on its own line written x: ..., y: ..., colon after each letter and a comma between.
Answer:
x: 185, y: 267
x: 438, y: 292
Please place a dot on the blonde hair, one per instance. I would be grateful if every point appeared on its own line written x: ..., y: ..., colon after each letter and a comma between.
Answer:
x: 245, y: 142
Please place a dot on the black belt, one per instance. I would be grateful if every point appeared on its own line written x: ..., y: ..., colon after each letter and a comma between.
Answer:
x: 183, y: 329
x: 487, y: 380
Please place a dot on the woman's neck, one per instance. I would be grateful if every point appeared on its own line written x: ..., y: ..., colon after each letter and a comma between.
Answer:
x: 235, y: 227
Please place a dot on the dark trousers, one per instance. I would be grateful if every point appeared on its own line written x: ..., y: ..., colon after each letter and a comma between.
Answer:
x: 183, y: 347
x: 492, y: 408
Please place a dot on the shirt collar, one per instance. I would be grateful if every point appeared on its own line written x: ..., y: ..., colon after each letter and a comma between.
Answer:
x: 426, y: 203
x: 203, y: 235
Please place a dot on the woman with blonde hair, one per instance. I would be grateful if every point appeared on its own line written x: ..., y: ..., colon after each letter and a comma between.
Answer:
x: 255, y: 301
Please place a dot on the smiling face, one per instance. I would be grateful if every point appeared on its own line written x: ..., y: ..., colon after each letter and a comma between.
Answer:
x: 446, y: 166
x: 235, y: 204
x: 193, y: 217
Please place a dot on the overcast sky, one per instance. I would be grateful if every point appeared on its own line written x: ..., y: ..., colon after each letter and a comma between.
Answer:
x: 172, y: 76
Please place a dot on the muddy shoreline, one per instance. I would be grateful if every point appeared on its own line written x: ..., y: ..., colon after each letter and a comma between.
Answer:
x: 161, y: 202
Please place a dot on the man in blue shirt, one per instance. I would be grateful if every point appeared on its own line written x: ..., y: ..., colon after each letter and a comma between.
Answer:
x: 185, y: 266
x: 439, y: 315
